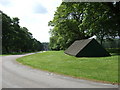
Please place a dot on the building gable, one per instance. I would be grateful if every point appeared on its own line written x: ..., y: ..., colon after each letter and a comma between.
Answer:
x: 86, y: 48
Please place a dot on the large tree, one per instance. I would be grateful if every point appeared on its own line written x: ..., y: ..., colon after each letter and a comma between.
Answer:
x: 16, y: 38
x: 75, y: 21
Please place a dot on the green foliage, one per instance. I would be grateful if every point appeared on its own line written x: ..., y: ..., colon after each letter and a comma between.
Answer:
x: 113, y: 50
x: 111, y: 43
x: 74, y: 21
x: 101, y: 68
x: 16, y: 39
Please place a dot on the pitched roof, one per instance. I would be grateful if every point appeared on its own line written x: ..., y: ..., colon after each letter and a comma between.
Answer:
x: 90, y: 47
x: 77, y: 46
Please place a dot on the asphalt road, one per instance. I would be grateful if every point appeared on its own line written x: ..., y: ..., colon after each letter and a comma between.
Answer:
x: 15, y: 75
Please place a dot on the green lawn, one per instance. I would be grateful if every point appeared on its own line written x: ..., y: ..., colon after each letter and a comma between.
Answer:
x: 97, y: 68
x: 3, y: 55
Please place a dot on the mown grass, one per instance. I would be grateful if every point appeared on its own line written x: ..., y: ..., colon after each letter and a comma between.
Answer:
x: 96, y: 68
x: 16, y: 53
x: 4, y: 55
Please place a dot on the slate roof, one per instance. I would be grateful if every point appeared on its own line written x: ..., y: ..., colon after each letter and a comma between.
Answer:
x: 80, y: 46
x: 77, y: 46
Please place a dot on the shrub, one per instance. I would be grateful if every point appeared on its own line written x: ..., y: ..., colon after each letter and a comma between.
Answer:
x: 113, y: 50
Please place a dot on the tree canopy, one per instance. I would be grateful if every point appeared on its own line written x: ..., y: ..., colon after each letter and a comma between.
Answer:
x: 16, y: 38
x: 74, y: 21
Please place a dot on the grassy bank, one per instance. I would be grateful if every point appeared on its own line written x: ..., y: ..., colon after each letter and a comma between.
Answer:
x: 97, y: 68
x: 16, y: 53
x: 4, y: 55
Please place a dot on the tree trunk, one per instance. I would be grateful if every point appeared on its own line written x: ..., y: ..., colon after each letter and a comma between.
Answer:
x: 7, y: 50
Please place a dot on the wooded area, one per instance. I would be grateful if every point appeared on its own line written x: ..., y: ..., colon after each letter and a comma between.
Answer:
x: 82, y: 20
x: 72, y: 21
x: 17, y: 39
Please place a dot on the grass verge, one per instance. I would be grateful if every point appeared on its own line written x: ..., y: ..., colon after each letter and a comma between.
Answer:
x: 103, y: 69
x: 4, y: 55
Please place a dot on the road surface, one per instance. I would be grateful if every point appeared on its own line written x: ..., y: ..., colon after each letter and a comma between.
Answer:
x: 15, y: 75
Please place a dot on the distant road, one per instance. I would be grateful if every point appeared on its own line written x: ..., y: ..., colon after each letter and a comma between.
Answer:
x: 16, y: 75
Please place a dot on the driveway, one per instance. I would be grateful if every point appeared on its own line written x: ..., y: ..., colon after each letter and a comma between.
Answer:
x: 16, y: 75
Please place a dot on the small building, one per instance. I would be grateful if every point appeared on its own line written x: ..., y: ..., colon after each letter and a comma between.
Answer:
x: 86, y: 48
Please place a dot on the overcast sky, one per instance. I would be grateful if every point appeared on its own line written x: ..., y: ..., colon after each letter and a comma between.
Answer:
x: 33, y: 14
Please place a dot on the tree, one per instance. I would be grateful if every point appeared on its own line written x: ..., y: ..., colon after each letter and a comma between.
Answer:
x: 75, y: 21
x: 100, y: 20
x: 66, y: 21
x: 0, y: 32
x: 16, y: 38
x: 6, y: 32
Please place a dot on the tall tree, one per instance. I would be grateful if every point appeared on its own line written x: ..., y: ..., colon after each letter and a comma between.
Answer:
x: 73, y: 21
x: 16, y: 38
x: 6, y: 32
x: 66, y: 21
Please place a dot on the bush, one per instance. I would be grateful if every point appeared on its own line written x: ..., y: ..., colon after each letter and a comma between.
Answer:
x: 113, y: 50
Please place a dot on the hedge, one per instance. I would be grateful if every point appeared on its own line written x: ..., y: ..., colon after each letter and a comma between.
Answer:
x: 113, y: 50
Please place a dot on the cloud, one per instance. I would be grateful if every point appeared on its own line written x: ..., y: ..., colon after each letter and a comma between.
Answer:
x: 5, y: 2
x: 33, y: 14
x: 39, y: 9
